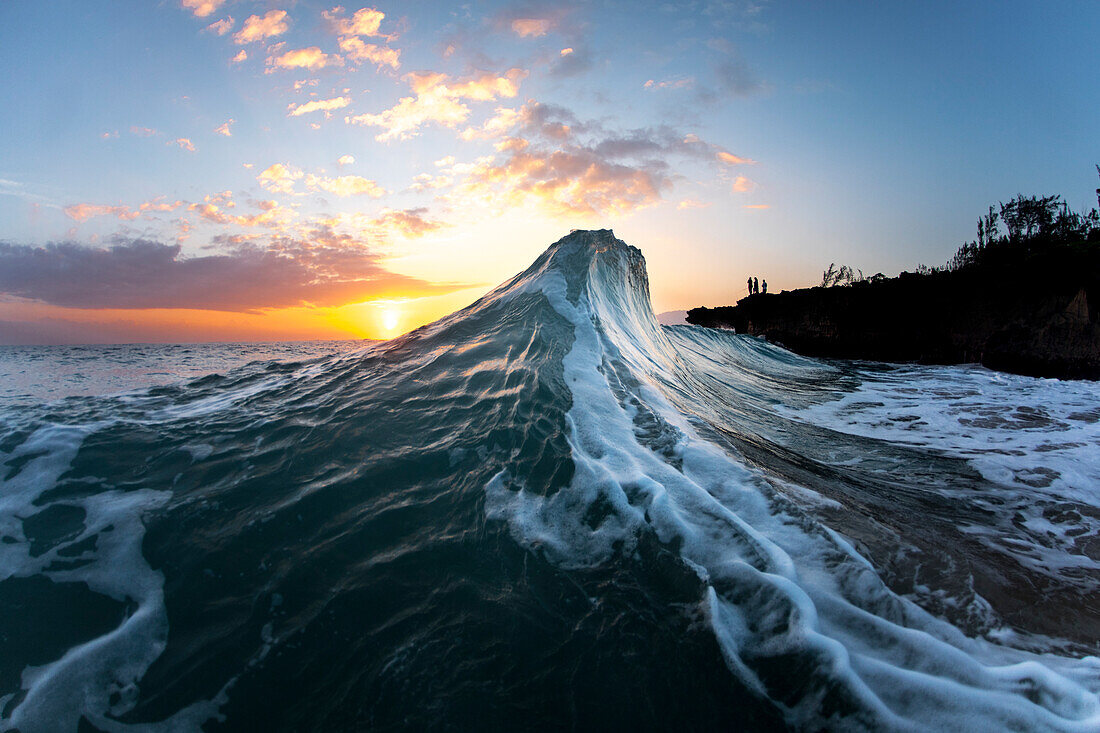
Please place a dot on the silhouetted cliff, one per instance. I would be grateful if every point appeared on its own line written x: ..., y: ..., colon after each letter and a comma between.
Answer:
x: 1031, y: 313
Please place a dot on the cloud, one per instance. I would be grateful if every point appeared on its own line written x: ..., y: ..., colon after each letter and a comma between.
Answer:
x: 83, y: 212
x: 357, y: 51
x: 318, y: 105
x: 143, y: 131
x: 735, y: 77
x: 549, y: 158
x: 531, y: 27
x: 743, y: 185
x: 364, y: 22
x: 109, y: 135
x: 223, y: 128
x: 321, y: 269
x: 345, y: 160
x: 242, y: 55
x: 279, y: 178
x: 202, y: 8
x: 731, y: 159
x: 221, y: 27
x: 312, y: 58
x: 345, y: 186
x: 184, y: 143
x: 256, y: 28
x: 438, y: 100
x: 410, y: 223
x: 692, y: 204
x: 576, y: 61
x: 756, y: 206
x: 681, y: 83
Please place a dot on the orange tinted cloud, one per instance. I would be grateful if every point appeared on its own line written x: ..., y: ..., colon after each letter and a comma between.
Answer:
x: 345, y: 160
x: 345, y: 186
x: 279, y: 178
x: 410, y: 223
x: 364, y: 22
x: 83, y: 212
x: 438, y: 100
x: 318, y: 105
x: 743, y: 185
x: 357, y: 51
x: 221, y: 27
x: 322, y: 269
x: 256, y: 28
x: 223, y: 128
x: 531, y: 27
x: 756, y: 206
x: 184, y: 143
x: 569, y: 182
x: 242, y: 55
x: 312, y: 58
x: 202, y: 8
x: 731, y: 159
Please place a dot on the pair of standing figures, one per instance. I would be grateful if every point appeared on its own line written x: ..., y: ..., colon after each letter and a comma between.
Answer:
x: 754, y: 286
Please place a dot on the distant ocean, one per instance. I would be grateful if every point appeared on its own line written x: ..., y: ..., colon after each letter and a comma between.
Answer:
x: 31, y: 374
x: 544, y: 512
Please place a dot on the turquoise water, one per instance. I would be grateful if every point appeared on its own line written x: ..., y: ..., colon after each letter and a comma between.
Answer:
x: 548, y: 511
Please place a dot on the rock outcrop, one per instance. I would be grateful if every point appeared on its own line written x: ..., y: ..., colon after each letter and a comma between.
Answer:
x: 1036, y: 317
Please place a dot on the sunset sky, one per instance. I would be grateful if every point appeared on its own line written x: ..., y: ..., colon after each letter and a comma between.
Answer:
x: 197, y: 170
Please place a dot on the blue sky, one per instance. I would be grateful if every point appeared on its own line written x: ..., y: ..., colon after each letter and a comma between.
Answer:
x: 723, y: 138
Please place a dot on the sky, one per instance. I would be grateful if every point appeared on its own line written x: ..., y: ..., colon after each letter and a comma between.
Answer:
x: 230, y: 170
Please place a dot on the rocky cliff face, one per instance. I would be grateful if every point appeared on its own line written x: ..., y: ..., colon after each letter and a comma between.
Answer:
x: 1037, y: 318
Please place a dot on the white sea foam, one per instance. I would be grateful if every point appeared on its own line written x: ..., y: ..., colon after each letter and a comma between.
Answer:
x: 780, y: 586
x: 1035, y: 441
x: 100, y: 676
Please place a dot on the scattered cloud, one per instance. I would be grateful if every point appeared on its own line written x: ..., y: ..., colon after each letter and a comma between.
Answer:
x: 737, y: 78
x: 531, y: 27
x: 566, y: 51
x: 731, y: 159
x: 743, y: 185
x: 242, y: 55
x: 692, y: 204
x: 345, y: 186
x: 83, y: 212
x: 221, y: 27
x: 345, y: 160
x: 202, y: 8
x: 312, y: 58
x: 321, y: 269
x: 316, y: 105
x: 680, y: 83
x: 438, y: 99
x: 279, y: 178
x: 184, y: 143
x: 223, y: 128
x: 143, y: 131
x: 410, y: 223
x: 257, y: 28
x: 756, y: 206
x: 109, y: 135
x: 357, y: 52
x: 364, y: 22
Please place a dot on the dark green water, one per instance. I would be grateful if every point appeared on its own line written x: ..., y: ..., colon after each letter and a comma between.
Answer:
x: 542, y: 512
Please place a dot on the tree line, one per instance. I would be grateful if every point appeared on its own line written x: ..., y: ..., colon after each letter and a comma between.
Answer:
x: 1030, y: 224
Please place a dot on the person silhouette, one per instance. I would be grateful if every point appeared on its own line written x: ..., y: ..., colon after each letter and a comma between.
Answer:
x: 750, y: 286
x: 764, y: 287
x: 755, y: 285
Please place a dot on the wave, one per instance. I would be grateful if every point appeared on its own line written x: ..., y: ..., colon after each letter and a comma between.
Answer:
x: 545, y: 509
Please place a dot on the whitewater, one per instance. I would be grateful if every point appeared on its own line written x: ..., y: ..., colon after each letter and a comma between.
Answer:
x: 548, y: 511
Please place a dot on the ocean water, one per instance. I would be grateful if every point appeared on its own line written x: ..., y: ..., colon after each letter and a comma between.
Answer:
x: 543, y: 512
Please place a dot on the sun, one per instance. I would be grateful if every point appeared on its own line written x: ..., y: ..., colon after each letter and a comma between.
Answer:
x: 390, y: 319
